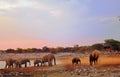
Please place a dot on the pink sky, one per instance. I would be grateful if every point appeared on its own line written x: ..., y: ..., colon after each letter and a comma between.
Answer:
x: 38, y: 23
x: 5, y: 44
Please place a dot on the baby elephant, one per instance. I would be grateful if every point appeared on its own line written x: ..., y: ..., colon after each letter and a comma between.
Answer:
x: 76, y: 60
x: 37, y: 61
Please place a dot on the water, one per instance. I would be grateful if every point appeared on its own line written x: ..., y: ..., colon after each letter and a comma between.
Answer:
x: 2, y: 64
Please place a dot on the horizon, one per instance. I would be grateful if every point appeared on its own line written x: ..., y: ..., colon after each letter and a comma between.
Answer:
x: 57, y: 23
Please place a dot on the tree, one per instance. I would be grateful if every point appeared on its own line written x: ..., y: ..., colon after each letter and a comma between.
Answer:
x: 30, y: 50
x: 10, y: 50
x: 52, y: 50
x: 115, y: 44
x: 59, y: 49
x: 68, y: 49
x: 1, y: 51
x: 19, y: 50
x: 97, y: 46
x: 45, y: 49
x: 76, y: 48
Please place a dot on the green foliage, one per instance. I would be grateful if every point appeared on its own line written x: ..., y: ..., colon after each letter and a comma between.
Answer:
x: 97, y: 46
x: 84, y: 49
x: 112, y: 41
x: 19, y: 50
x: 45, y: 49
x: 2, y: 51
x: 10, y: 50
x: 115, y: 44
x: 59, y: 49
x: 76, y: 48
x: 30, y: 50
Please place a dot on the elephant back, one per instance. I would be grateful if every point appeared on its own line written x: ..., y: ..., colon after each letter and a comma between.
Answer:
x: 96, y: 53
x: 37, y: 61
x: 76, y: 60
x: 48, y: 57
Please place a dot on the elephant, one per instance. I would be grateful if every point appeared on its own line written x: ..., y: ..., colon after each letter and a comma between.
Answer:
x: 10, y: 63
x: 94, y: 56
x: 19, y: 63
x: 37, y: 61
x: 76, y: 60
x: 49, y: 58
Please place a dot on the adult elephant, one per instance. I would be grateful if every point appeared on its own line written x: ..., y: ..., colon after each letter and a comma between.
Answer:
x: 10, y: 63
x: 19, y: 63
x: 37, y: 61
x: 76, y: 60
x: 49, y: 58
x: 94, y: 56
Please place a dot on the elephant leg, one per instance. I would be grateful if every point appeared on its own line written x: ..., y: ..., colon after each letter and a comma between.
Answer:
x: 91, y: 63
x: 9, y: 66
x: 50, y: 63
x: 16, y: 66
x: 25, y: 64
x: 97, y: 61
x: 77, y: 62
x: 94, y: 60
x: 38, y: 64
x: 20, y: 65
x: 12, y: 65
x: 41, y: 65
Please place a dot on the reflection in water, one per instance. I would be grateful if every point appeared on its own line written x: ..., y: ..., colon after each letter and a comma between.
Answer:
x: 2, y: 64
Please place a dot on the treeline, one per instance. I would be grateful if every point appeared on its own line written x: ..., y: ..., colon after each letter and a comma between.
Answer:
x: 110, y: 44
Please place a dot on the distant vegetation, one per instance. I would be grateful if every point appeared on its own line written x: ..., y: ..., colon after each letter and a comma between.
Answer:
x: 111, y: 44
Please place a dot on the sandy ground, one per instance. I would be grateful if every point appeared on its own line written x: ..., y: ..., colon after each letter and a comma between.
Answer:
x: 108, y: 66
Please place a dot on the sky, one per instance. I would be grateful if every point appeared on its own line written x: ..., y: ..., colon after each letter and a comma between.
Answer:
x: 54, y: 23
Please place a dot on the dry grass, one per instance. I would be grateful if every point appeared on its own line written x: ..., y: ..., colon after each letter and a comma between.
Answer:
x: 66, y: 62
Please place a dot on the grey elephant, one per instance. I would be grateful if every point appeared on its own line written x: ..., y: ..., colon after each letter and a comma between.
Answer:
x: 49, y: 58
x: 37, y: 61
x: 19, y: 63
x: 76, y: 60
x: 10, y: 63
x: 94, y: 56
